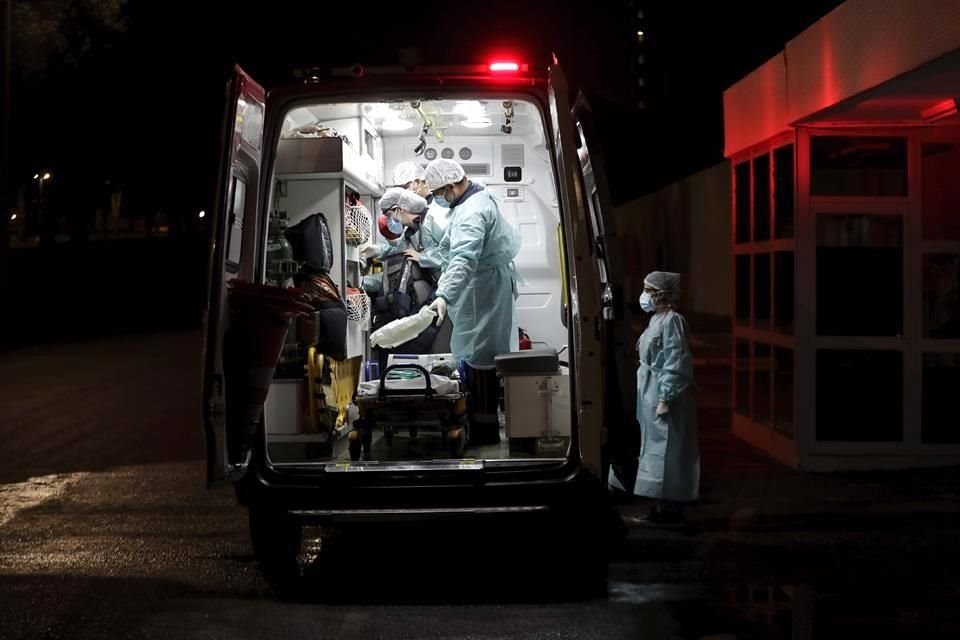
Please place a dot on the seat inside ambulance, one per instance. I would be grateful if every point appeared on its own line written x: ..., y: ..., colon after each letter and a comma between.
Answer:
x: 336, y: 159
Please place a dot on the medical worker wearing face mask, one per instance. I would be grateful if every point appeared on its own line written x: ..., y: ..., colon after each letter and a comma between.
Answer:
x: 411, y: 175
x: 401, y: 210
x: 407, y: 229
x: 430, y: 224
x: 669, y: 463
x: 478, y: 286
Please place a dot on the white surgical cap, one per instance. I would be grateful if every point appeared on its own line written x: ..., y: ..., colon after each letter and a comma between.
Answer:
x: 391, y: 198
x: 410, y: 201
x: 407, y: 172
x: 403, y: 198
x: 663, y: 281
x: 442, y: 172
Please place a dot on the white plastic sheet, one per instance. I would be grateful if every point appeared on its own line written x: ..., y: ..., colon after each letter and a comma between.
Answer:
x: 442, y: 385
x: 402, y: 330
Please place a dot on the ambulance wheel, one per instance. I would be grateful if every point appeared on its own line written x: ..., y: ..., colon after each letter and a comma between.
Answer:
x: 275, y: 537
x: 388, y: 435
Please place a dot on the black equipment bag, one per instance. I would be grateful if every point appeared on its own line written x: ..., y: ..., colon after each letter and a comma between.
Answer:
x: 326, y: 327
x: 311, y: 243
x: 393, y: 303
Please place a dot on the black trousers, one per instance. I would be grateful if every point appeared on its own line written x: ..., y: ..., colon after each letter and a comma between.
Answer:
x: 484, y: 388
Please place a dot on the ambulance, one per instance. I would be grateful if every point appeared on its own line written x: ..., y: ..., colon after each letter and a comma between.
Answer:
x: 328, y: 144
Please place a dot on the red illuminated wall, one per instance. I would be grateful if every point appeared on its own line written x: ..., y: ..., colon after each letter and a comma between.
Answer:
x: 859, y: 45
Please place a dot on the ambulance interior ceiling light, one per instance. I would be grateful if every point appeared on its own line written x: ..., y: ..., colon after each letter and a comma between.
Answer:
x: 379, y: 110
x: 470, y: 108
x: 476, y: 123
x: 396, y: 124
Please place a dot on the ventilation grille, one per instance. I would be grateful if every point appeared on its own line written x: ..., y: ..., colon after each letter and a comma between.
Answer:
x: 512, y: 155
x: 476, y: 169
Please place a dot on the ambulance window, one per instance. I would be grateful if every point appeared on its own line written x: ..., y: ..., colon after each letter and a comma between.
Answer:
x: 235, y: 237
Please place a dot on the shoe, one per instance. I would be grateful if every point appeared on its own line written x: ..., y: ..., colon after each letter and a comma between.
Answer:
x: 658, y: 518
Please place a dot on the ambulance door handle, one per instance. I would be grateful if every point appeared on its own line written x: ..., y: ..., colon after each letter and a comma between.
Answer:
x: 607, y: 300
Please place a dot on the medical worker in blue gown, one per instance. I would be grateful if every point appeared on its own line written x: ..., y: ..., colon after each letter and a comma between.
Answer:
x: 429, y: 224
x: 478, y: 287
x: 412, y: 176
x: 669, y: 465
x: 408, y: 217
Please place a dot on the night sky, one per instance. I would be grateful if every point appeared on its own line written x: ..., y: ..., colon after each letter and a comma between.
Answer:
x: 142, y: 105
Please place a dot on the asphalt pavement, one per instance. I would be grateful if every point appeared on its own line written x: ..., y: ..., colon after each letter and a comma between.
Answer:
x: 108, y: 531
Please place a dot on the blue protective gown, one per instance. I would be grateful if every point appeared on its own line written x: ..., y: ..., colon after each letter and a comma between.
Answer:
x: 439, y: 215
x: 669, y: 464
x: 479, y: 279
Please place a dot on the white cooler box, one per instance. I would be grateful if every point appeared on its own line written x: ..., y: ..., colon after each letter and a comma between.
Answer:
x: 286, y: 410
x: 536, y: 394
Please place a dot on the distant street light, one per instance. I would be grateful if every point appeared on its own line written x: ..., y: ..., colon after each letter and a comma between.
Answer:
x: 46, y: 176
x: 36, y: 176
x: 13, y: 217
x: 201, y: 214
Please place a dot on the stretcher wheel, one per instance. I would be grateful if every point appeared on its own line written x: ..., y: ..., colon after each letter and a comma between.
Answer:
x: 355, y: 445
x: 456, y: 442
x: 388, y: 435
x: 413, y: 431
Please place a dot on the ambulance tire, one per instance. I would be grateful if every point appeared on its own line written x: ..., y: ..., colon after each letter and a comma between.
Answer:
x: 276, y: 537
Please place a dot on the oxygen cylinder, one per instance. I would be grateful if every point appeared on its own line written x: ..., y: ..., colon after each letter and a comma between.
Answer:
x: 280, y: 263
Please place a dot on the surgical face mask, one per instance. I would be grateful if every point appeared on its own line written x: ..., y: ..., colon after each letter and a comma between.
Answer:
x: 441, y: 200
x: 395, y: 226
x: 647, y: 303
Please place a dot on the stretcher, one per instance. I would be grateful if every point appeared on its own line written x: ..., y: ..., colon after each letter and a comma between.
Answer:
x: 412, y: 409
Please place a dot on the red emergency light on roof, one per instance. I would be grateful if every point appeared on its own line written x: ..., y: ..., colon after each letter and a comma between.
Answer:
x: 504, y: 66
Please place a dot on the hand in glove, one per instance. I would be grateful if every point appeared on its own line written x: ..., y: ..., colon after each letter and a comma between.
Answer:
x: 439, y: 306
x: 369, y: 250
x: 662, y: 408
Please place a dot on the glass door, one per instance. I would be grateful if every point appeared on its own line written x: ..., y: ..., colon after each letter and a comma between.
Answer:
x: 863, y: 316
x: 937, y: 354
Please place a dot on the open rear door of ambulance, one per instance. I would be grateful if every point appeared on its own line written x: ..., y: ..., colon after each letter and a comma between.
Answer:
x: 620, y: 387
x: 233, y: 249
x: 585, y: 311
